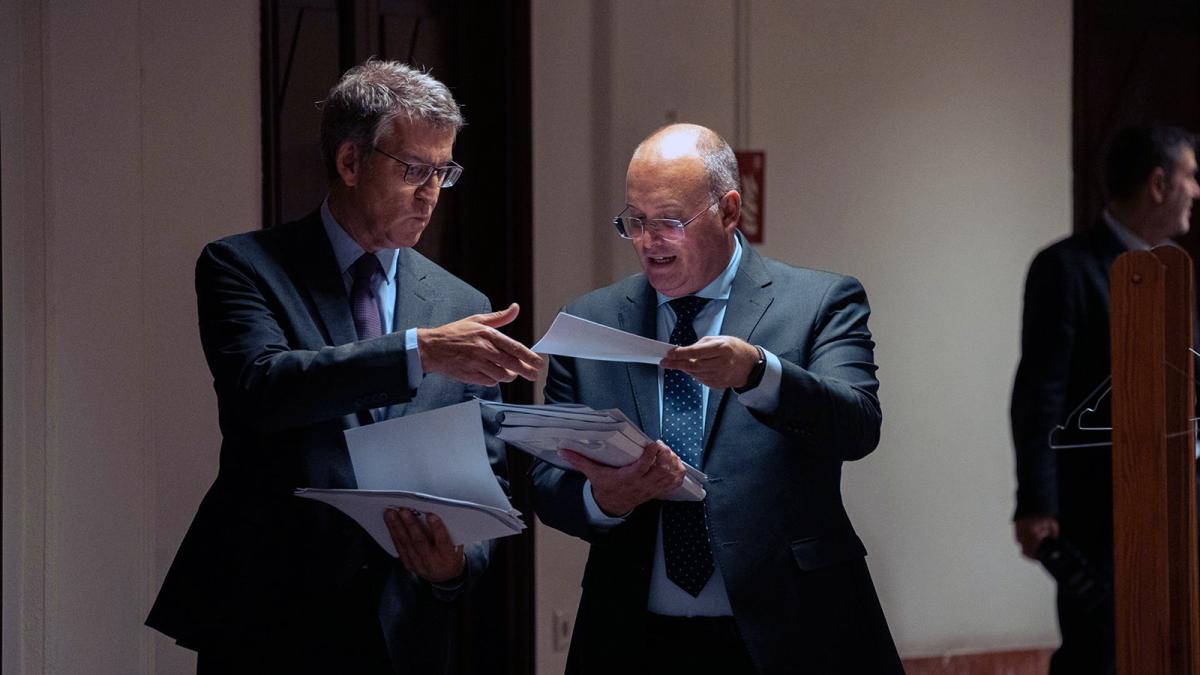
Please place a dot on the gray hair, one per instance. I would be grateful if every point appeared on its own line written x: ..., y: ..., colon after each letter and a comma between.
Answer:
x: 719, y: 163
x: 362, y: 105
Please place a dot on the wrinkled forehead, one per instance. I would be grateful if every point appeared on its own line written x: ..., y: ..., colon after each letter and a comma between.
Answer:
x: 401, y: 132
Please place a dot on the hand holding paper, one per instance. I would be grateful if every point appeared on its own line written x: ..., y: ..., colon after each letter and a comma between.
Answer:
x: 619, y: 490
x: 424, y: 545
x: 431, y: 462
x: 467, y: 522
x: 716, y: 361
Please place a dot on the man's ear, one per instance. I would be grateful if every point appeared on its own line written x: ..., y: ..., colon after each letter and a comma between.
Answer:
x: 1156, y: 185
x: 348, y: 163
x: 731, y: 210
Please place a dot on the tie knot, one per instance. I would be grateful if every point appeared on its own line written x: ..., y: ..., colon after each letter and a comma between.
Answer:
x: 687, y: 307
x: 366, y: 267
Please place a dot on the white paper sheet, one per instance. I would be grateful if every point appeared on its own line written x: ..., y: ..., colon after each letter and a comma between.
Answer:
x: 437, y: 452
x: 572, y: 336
x: 466, y: 523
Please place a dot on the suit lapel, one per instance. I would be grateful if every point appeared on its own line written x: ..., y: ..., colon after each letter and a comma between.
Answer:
x: 316, y: 271
x: 639, y: 316
x: 748, y: 301
x: 414, y: 298
x: 414, y: 304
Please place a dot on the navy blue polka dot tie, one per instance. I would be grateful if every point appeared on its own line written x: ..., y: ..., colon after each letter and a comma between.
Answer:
x: 687, y: 554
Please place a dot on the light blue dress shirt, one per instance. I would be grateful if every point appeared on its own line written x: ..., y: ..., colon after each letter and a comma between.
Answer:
x: 346, y: 251
x: 665, y: 597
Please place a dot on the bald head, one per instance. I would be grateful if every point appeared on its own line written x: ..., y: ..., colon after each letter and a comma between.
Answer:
x: 686, y: 174
x: 683, y: 141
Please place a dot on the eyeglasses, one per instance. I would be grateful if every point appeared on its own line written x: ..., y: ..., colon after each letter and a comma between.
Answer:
x: 630, y: 227
x: 419, y: 174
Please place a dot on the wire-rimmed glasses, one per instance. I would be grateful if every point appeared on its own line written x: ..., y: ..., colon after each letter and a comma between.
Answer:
x: 632, y: 227
x: 419, y: 174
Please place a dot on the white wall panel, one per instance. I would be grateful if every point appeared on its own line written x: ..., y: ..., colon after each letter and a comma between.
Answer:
x: 136, y: 141
x: 925, y: 148
x: 98, y: 518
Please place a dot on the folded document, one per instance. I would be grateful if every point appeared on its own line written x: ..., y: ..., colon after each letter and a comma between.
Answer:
x: 467, y: 522
x: 433, y: 462
x: 604, y: 436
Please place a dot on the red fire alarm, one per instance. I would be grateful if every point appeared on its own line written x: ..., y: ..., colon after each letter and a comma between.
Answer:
x: 750, y: 174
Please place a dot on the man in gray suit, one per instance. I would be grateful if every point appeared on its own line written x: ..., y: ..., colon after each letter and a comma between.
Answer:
x: 771, y: 388
x: 310, y: 328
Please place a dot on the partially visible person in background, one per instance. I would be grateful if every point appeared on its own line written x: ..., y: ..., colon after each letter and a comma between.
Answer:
x: 1065, y: 496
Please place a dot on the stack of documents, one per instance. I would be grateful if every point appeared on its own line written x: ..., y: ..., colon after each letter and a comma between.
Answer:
x: 604, y: 436
x: 431, y: 462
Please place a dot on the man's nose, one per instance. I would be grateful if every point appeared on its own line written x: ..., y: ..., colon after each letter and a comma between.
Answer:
x: 430, y: 189
x: 652, y: 230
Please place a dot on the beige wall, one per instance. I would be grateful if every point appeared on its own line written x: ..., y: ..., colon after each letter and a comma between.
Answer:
x: 569, y: 196
x: 131, y: 138
x: 930, y: 156
x: 921, y: 146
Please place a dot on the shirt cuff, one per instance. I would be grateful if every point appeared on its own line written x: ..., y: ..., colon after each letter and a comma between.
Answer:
x: 413, y: 358
x: 765, y: 397
x: 451, y: 587
x: 596, y: 516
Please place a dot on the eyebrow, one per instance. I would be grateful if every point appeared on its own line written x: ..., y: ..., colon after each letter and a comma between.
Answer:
x: 635, y: 209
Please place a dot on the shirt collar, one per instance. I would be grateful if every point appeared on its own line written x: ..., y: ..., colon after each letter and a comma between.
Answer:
x: 346, y: 250
x: 719, y: 288
x: 1128, y: 238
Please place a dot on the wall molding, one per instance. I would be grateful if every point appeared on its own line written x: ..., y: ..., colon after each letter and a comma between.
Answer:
x: 1009, y: 662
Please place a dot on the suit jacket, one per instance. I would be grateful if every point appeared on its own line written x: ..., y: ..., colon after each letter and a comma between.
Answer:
x: 257, y: 563
x: 1064, y: 357
x: 791, y: 561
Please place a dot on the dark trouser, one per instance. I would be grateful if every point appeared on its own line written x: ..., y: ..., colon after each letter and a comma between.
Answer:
x: 1089, y: 637
x: 344, y: 636
x: 699, y: 644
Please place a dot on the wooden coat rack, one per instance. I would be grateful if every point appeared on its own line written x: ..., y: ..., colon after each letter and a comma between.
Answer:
x: 1154, y: 464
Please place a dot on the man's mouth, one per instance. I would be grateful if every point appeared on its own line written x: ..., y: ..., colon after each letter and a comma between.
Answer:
x: 660, y: 259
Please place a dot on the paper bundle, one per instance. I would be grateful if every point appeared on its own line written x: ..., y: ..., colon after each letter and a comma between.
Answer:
x: 604, y: 436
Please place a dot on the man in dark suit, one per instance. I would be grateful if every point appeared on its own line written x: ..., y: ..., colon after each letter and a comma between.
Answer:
x: 311, y: 328
x: 771, y: 389
x: 1150, y: 176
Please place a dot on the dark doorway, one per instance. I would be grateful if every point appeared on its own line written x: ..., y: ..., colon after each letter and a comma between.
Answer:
x: 1135, y: 63
x: 482, y: 228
